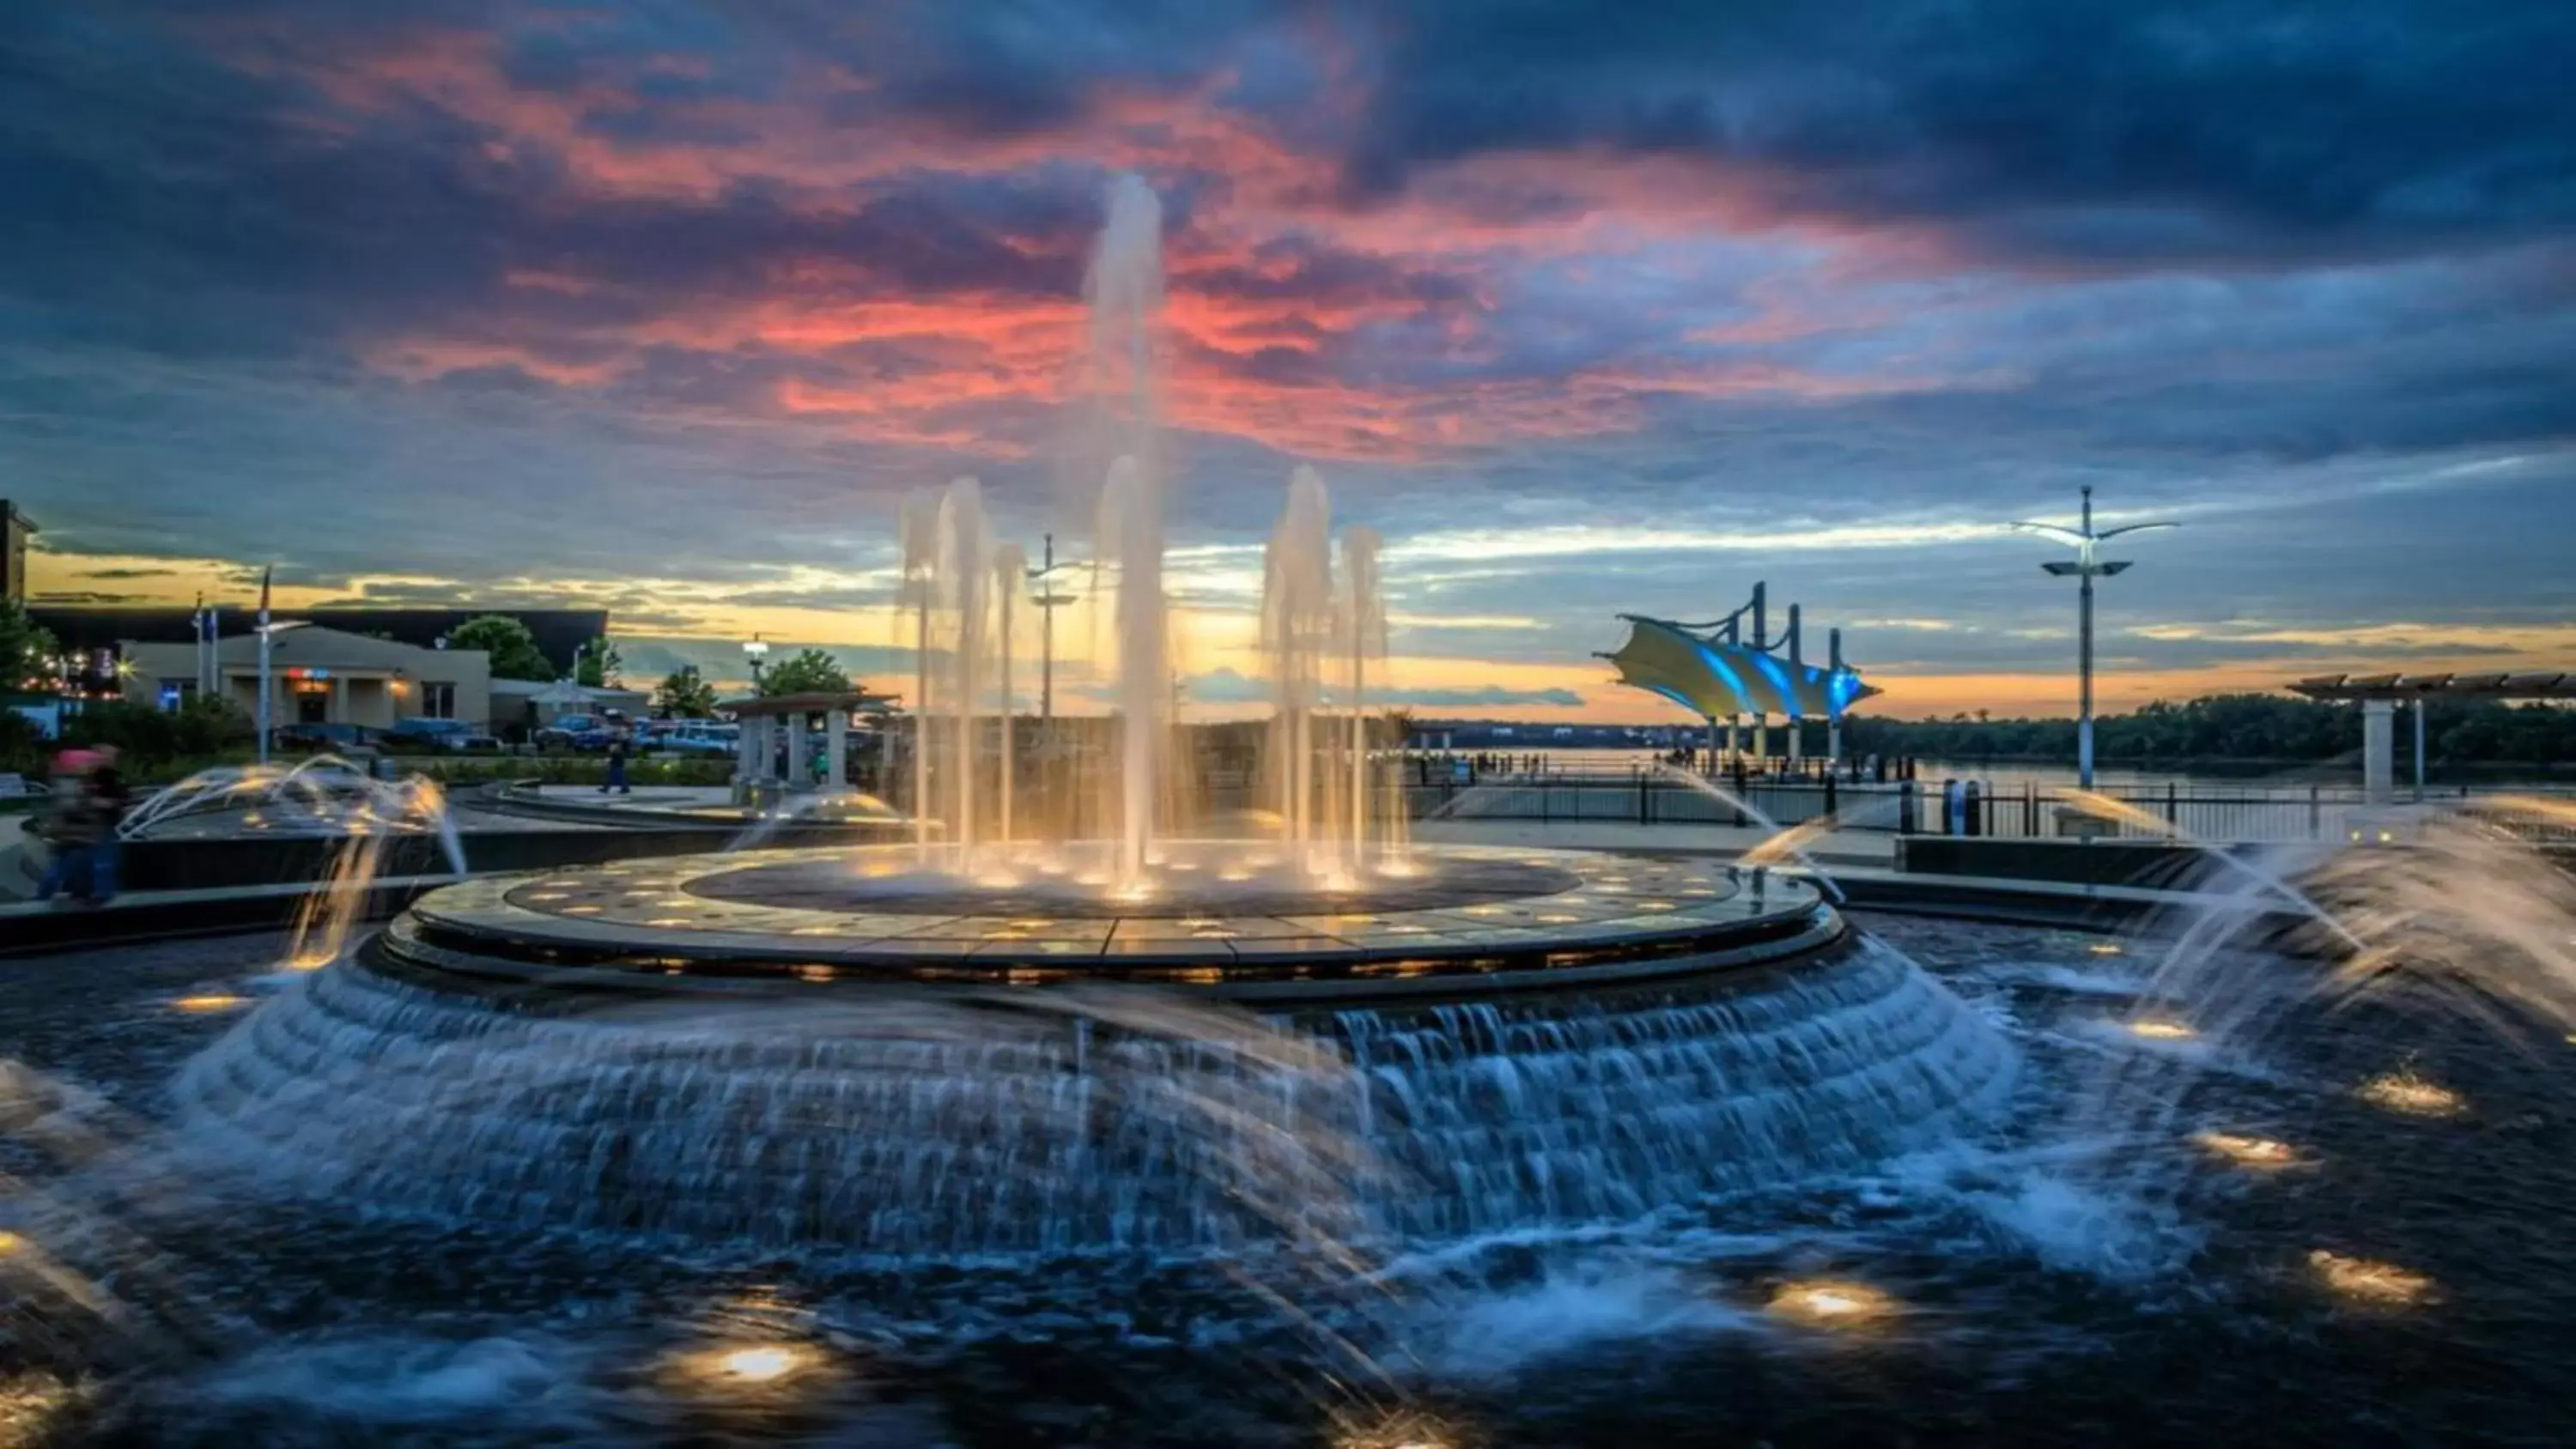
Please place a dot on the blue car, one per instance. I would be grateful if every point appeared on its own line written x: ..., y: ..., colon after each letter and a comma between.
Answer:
x: 694, y: 737
x: 586, y: 733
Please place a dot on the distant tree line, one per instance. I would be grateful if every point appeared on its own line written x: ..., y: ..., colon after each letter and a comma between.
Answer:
x: 2231, y: 727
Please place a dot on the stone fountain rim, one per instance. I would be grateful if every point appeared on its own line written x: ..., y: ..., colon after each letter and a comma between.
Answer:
x: 487, y: 929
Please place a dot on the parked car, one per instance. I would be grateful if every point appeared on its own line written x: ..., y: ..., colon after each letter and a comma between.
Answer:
x: 442, y: 736
x: 322, y: 738
x: 584, y: 732
x: 695, y: 737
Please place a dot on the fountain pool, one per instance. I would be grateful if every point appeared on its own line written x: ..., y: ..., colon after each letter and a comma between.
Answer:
x: 1991, y: 1285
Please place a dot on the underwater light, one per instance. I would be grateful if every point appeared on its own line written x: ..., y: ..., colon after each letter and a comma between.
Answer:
x: 1831, y: 1303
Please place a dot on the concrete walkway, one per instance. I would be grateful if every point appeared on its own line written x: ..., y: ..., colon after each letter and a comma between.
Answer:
x: 1838, y: 847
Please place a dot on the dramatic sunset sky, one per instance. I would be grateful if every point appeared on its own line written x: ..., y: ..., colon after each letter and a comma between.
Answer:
x: 1587, y: 305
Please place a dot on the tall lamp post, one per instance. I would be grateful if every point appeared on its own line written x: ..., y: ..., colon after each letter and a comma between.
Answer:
x: 1047, y: 600
x: 755, y: 649
x: 2086, y: 568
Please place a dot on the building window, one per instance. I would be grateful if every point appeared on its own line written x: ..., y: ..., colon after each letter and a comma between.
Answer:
x: 438, y: 701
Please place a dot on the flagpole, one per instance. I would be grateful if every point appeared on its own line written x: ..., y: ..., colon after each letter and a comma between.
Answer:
x: 266, y: 686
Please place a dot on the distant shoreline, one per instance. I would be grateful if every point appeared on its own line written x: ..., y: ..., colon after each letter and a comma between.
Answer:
x: 2173, y: 763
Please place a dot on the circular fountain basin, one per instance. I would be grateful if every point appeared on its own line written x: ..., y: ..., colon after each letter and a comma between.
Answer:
x: 831, y: 1047
x: 1217, y: 915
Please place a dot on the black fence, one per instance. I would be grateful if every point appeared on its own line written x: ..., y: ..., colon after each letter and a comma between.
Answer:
x: 2250, y: 814
x: 1644, y: 797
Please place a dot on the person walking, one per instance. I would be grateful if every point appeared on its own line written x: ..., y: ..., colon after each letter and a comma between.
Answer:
x: 89, y: 802
x: 620, y: 742
x: 108, y: 799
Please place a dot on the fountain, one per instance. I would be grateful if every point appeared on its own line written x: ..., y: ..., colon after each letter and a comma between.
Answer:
x: 325, y: 795
x: 1014, y: 1035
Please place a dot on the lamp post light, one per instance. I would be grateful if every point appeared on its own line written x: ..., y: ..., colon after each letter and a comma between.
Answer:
x: 1047, y: 600
x: 2086, y: 568
x: 755, y: 649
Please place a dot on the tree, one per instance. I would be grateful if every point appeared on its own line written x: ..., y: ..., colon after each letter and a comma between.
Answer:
x: 27, y: 650
x: 600, y: 664
x: 808, y: 671
x: 684, y: 695
x: 514, y: 650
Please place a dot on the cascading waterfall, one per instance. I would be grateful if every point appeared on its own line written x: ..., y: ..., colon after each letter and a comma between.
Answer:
x: 1055, y: 1120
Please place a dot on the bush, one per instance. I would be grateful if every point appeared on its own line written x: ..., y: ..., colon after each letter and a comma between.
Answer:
x: 22, y: 744
x: 149, y: 741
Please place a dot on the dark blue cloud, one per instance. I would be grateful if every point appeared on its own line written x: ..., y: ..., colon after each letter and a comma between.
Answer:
x: 2110, y: 132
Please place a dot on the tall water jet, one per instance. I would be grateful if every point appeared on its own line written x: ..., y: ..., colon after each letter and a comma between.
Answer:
x: 919, y: 526
x: 964, y: 573
x: 1124, y: 292
x: 1296, y: 626
x: 1010, y: 575
x: 1364, y: 632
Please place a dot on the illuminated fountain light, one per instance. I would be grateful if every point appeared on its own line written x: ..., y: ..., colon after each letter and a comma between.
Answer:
x: 2157, y: 1029
x: 2411, y: 1095
x: 1832, y: 1303
x: 1406, y: 1429
x: 209, y: 1001
x: 2248, y: 1151
x: 30, y: 1403
x: 749, y: 1364
x: 2106, y: 948
x: 2367, y: 1280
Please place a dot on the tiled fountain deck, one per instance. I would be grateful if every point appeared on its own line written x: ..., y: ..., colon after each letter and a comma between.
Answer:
x: 1500, y: 915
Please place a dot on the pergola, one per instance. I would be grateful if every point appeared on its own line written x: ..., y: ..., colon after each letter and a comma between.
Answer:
x: 763, y: 717
x: 2380, y: 694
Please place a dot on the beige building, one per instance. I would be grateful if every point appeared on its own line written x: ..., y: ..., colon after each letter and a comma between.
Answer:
x: 322, y: 676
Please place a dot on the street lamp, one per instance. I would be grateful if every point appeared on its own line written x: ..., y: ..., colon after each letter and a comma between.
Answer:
x: 755, y: 649
x: 1048, y: 601
x: 2085, y: 568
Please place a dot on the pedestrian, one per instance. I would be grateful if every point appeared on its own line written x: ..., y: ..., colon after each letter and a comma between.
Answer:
x: 108, y: 799
x: 89, y: 799
x: 619, y: 743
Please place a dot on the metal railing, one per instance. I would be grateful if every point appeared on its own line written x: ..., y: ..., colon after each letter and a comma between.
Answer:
x: 1639, y: 795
